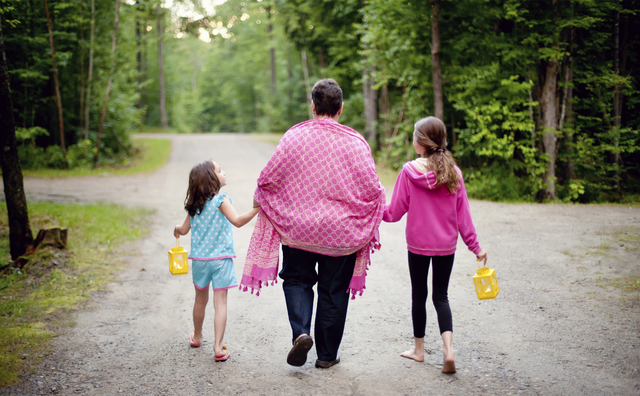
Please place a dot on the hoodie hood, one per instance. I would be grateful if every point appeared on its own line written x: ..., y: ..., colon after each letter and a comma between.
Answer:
x: 417, y: 172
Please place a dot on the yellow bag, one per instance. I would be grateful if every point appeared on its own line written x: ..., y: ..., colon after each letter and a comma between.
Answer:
x: 178, y: 260
x: 486, y: 283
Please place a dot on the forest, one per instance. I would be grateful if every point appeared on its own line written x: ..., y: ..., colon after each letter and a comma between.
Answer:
x: 540, y: 98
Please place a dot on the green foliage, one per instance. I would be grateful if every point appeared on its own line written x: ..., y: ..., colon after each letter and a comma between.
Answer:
x: 494, y: 57
x: 33, y: 301
x: 28, y: 51
x: 495, y: 183
x: 31, y: 134
x: 226, y: 85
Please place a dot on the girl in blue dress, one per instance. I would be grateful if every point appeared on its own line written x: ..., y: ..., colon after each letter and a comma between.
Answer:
x: 210, y: 215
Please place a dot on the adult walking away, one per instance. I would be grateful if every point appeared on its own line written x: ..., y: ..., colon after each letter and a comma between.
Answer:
x: 321, y: 198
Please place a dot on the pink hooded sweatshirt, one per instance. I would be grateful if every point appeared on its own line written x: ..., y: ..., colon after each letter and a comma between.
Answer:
x: 435, y: 216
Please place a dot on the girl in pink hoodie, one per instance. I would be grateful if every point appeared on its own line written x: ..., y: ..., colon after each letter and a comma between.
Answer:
x: 432, y: 191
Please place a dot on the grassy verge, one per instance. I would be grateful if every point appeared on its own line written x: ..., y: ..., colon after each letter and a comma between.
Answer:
x: 388, y: 178
x: 35, y: 300
x: 150, y: 129
x: 151, y: 155
x: 273, y: 138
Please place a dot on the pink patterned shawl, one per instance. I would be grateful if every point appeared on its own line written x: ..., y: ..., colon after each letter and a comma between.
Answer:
x: 319, y: 193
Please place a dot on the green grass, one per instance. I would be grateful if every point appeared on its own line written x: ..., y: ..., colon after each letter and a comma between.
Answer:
x: 273, y: 138
x: 34, y: 301
x: 153, y: 129
x: 151, y: 155
x: 387, y: 178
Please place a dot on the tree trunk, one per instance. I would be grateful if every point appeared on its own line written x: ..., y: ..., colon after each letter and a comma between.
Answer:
x: 272, y: 52
x: 163, y: 109
x: 289, y: 78
x: 106, y: 95
x: 305, y: 71
x: 87, y: 107
x: 568, y: 81
x: 139, y: 53
x: 370, y: 112
x: 384, y: 109
x: 617, y: 102
x: 533, y: 129
x: 435, y: 59
x: 55, y: 82
x: 82, y: 79
x: 549, y: 123
x: 570, y: 172
x: 567, y: 111
x: 20, y: 236
x: 454, y: 139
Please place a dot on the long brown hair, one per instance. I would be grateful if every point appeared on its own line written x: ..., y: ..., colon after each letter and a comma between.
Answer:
x: 431, y: 134
x: 203, y: 184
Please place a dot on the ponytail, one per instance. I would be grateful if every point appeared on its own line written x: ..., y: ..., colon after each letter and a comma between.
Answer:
x: 431, y: 134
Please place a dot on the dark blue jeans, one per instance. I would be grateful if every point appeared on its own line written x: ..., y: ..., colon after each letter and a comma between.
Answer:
x: 333, y: 277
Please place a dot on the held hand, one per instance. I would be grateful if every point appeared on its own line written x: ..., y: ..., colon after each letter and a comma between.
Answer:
x: 175, y: 232
x: 255, y: 204
x: 482, y: 256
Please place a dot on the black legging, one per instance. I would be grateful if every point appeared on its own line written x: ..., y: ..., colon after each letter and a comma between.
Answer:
x: 418, y: 270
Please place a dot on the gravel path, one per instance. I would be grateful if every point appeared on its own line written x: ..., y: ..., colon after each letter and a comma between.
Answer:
x: 558, y: 327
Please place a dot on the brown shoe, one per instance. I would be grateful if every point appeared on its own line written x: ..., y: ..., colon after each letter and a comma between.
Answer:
x: 298, y: 353
x: 322, y: 364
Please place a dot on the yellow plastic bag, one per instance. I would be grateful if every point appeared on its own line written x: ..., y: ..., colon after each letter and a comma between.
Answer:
x: 178, y: 260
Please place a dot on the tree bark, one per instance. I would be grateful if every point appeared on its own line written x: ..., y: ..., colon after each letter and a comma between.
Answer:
x: 454, y: 139
x: 568, y: 80
x: 55, y: 82
x: 87, y: 107
x: 533, y: 129
x: 163, y: 108
x: 20, y: 236
x: 370, y: 107
x: 570, y: 172
x: 435, y: 59
x: 82, y: 79
x: 549, y: 123
x: 305, y: 71
x: 272, y: 52
x: 383, y: 104
x: 617, y: 101
x: 106, y: 95
x: 567, y: 111
x: 139, y: 53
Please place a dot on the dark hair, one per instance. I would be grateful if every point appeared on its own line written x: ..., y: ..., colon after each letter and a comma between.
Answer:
x: 203, y: 184
x: 431, y: 134
x: 327, y: 97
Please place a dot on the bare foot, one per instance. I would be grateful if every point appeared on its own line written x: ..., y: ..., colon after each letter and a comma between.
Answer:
x: 411, y: 354
x: 448, y: 366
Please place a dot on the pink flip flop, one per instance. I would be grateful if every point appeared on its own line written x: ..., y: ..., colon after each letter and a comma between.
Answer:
x: 224, y: 356
x: 192, y: 342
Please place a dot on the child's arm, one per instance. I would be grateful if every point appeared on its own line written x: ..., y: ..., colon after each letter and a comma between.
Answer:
x: 237, y: 220
x: 182, y: 229
x: 465, y: 224
x: 399, y: 200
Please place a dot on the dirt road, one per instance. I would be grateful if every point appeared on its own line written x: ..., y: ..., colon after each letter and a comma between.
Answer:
x: 560, y: 326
